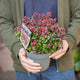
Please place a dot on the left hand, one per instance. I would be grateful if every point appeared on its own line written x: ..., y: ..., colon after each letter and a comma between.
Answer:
x: 59, y: 53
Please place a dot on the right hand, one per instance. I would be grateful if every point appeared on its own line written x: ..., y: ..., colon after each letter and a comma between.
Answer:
x: 27, y: 64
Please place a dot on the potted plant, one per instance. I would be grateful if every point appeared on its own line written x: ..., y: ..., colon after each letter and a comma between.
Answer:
x: 41, y: 36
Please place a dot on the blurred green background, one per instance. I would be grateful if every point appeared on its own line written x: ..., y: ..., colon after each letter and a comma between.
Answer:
x: 77, y: 62
x: 77, y: 59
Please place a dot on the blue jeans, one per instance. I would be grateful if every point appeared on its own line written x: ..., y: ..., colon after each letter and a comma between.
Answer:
x: 50, y: 74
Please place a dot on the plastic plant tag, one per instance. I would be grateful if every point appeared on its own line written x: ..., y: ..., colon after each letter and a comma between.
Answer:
x: 25, y: 36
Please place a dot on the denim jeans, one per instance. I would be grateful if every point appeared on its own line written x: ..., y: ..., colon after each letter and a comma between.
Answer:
x: 50, y: 74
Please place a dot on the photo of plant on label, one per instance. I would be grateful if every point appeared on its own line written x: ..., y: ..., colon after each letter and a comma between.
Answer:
x: 25, y: 36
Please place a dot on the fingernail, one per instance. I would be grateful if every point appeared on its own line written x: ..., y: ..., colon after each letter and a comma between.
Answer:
x: 50, y: 57
x: 24, y: 54
x: 40, y: 67
x: 38, y: 64
x: 38, y: 70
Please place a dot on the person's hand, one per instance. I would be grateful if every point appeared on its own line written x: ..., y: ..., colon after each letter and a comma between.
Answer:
x: 59, y: 53
x: 28, y: 64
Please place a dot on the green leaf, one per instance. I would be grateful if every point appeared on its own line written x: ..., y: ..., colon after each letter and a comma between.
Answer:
x: 33, y: 38
x: 45, y: 50
x: 53, y: 39
x: 25, y: 24
x: 32, y: 19
x: 29, y: 48
x: 46, y: 40
x: 18, y: 37
x: 51, y: 50
x: 15, y: 33
x: 39, y: 43
x: 21, y: 44
x: 44, y: 45
x: 57, y: 38
x: 42, y: 38
x: 54, y: 47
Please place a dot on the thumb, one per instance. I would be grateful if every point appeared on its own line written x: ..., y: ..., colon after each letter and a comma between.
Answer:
x: 22, y: 52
